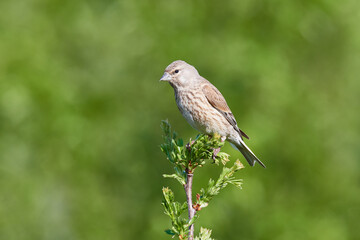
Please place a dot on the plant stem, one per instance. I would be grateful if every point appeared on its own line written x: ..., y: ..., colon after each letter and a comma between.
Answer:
x: 188, y: 191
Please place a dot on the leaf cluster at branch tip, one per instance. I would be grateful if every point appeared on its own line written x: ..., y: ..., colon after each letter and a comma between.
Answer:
x: 185, y: 159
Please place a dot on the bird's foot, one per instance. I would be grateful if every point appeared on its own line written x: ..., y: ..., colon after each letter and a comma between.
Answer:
x: 188, y: 146
x: 215, y: 153
x: 217, y: 150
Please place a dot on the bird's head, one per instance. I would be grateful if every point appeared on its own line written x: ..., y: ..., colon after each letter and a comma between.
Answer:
x: 179, y: 74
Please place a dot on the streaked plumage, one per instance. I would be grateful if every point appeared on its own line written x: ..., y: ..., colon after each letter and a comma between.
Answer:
x: 204, y: 107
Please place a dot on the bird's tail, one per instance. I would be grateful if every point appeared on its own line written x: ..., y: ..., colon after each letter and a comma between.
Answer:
x: 248, y: 154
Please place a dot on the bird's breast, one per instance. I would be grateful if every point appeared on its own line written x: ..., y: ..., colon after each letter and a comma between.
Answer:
x: 191, y: 105
x: 200, y: 114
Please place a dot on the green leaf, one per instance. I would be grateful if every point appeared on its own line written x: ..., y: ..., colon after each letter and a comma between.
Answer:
x: 180, y: 179
x: 174, y: 210
x: 170, y: 232
x: 205, y: 234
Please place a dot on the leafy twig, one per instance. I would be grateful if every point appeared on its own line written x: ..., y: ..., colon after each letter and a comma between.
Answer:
x: 186, y: 158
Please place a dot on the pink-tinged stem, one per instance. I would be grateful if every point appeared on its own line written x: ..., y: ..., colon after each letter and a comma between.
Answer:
x: 188, y: 191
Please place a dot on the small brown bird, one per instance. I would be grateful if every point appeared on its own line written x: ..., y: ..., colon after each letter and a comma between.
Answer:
x: 204, y: 107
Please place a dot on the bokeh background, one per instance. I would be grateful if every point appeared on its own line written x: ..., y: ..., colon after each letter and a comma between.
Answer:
x: 81, y: 105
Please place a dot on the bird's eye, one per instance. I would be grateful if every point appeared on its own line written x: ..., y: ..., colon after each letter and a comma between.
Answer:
x: 176, y: 71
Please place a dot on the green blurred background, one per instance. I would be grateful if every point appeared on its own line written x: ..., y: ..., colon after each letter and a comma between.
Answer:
x: 81, y: 105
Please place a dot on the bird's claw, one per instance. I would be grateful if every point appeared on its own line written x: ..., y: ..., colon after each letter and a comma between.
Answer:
x: 188, y: 146
x: 217, y: 150
x: 215, y: 153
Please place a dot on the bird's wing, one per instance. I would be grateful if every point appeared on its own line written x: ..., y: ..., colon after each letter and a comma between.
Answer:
x: 217, y: 100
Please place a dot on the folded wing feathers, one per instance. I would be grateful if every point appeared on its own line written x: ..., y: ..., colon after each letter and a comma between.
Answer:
x: 217, y: 100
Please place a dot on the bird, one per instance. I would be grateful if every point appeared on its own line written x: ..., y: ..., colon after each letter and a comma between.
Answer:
x: 204, y: 107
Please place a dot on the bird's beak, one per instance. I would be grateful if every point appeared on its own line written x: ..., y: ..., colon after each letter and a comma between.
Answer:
x: 166, y: 77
